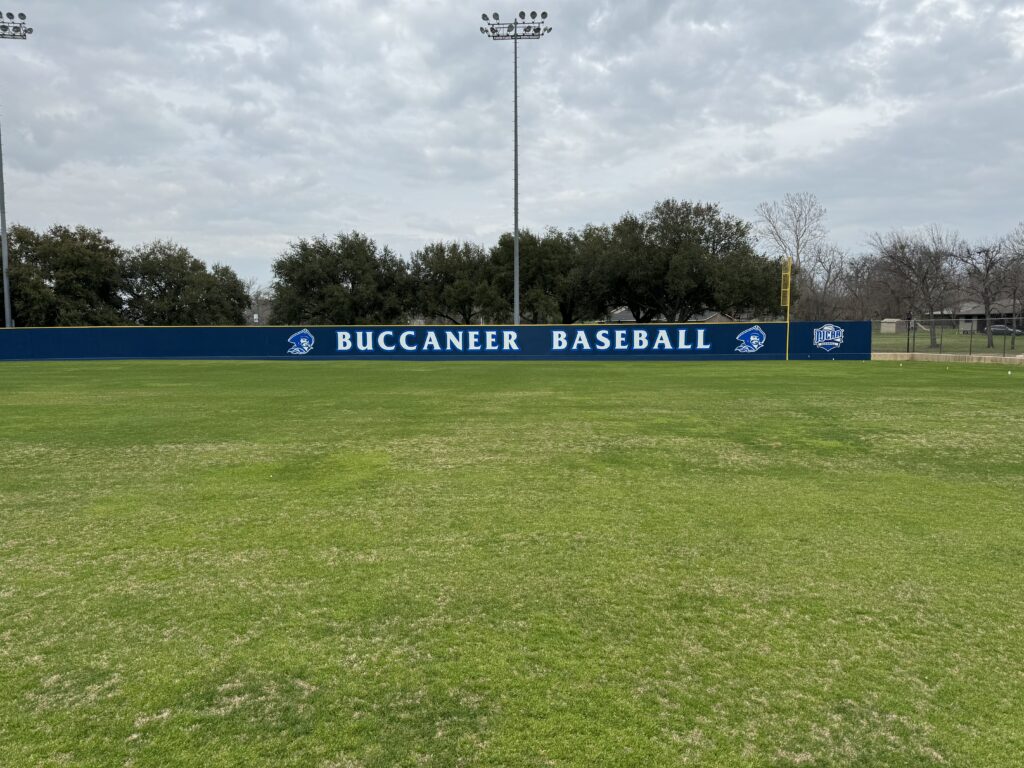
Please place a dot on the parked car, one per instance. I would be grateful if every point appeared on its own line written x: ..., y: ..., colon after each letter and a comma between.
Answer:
x: 1005, y: 330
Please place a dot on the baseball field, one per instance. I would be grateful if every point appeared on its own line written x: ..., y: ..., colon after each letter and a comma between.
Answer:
x: 511, y: 564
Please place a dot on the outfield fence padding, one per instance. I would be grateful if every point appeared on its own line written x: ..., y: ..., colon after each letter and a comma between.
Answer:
x: 716, y: 341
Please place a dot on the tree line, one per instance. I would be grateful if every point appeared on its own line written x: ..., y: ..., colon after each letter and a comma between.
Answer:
x: 79, y: 276
x: 672, y: 263
x: 669, y: 263
x: 925, y: 274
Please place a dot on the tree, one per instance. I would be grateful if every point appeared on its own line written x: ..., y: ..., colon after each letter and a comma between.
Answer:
x: 746, y: 281
x: 453, y: 282
x: 33, y: 302
x: 577, y: 284
x: 569, y: 263
x: 864, y: 289
x: 794, y: 226
x: 920, y: 267
x: 68, y: 277
x: 345, y: 280
x: 685, y: 239
x: 792, y: 230
x: 560, y: 274
x: 165, y: 285
x: 226, y: 297
x: 822, y: 286
x: 259, y: 301
x: 984, y: 267
x: 630, y: 272
x: 536, y: 304
x: 681, y: 258
x: 1014, y: 277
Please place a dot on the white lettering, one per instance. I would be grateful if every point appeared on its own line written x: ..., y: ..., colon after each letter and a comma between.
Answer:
x: 567, y: 340
x: 430, y: 343
x: 452, y: 341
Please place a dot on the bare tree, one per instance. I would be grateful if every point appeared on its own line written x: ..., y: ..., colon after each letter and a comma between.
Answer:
x: 823, y: 285
x: 259, y: 301
x: 867, y: 289
x: 920, y: 266
x: 791, y: 229
x: 858, y: 286
x: 1014, y: 277
x: 984, y: 268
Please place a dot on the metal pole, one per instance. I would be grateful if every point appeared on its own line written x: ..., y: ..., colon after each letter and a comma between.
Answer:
x: 523, y: 28
x: 11, y: 29
x: 8, y: 319
x: 515, y: 267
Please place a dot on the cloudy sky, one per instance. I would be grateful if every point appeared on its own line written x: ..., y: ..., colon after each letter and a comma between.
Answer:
x: 233, y: 127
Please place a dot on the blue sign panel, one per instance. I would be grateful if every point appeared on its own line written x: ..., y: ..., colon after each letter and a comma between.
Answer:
x: 733, y: 341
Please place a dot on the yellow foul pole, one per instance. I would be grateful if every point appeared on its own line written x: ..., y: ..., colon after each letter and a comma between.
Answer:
x: 787, y: 284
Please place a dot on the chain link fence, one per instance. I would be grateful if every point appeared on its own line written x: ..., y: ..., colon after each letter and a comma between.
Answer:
x: 1002, y: 337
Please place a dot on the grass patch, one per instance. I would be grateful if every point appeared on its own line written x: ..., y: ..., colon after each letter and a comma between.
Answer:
x: 948, y: 342
x: 377, y: 564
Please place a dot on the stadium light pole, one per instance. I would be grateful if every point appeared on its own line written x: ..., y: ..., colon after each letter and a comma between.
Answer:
x: 532, y: 26
x: 11, y: 28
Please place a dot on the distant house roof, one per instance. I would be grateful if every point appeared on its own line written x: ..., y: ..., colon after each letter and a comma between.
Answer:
x: 712, y: 317
x: 976, y: 309
x: 623, y: 315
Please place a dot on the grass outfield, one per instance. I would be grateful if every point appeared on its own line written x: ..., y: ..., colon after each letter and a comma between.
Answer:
x: 570, y: 564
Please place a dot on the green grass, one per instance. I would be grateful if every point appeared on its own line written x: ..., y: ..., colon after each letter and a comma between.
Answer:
x: 375, y: 564
x: 948, y: 342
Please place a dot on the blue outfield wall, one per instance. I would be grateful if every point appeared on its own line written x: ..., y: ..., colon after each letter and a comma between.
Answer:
x: 732, y: 341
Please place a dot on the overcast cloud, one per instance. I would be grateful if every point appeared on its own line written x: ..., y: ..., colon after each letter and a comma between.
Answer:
x: 233, y: 127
